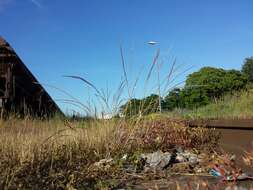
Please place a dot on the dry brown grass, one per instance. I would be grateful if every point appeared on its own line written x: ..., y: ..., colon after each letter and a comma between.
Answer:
x: 248, y: 157
x: 59, y: 155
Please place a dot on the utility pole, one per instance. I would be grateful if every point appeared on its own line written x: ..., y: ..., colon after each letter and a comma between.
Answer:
x: 159, y: 87
x: 153, y: 43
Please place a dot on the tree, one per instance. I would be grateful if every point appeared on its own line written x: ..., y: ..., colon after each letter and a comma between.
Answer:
x: 150, y: 104
x: 209, y: 79
x: 172, y: 100
x: 234, y: 81
x: 147, y: 105
x: 193, y: 97
x: 209, y: 83
x: 131, y: 107
x: 247, y: 68
x: 200, y: 89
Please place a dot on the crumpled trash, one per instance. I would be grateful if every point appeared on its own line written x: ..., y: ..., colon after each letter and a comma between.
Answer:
x: 157, y: 160
x: 240, y: 177
x: 214, y: 173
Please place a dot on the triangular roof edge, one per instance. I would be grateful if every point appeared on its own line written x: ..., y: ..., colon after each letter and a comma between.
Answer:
x: 3, y: 42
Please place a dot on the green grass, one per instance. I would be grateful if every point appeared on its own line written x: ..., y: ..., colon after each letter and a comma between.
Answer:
x: 237, y: 106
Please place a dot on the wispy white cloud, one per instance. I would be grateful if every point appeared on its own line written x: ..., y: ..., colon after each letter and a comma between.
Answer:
x: 36, y: 3
x: 4, y: 4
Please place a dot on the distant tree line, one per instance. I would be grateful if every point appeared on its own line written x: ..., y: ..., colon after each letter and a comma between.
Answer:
x: 201, y: 88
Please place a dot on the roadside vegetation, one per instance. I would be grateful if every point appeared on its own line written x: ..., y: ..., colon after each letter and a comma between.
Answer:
x: 59, y: 155
x: 236, y: 106
x: 140, y: 143
x: 207, y: 93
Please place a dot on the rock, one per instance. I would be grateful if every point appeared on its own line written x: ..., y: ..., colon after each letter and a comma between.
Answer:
x: 187, y: 157
x: 193, y: 159
x: 157, y: 160
x: 180, y: 158
x: 179, y: 150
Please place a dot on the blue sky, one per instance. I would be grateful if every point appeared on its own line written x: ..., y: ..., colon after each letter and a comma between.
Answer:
x: 82, y: 37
